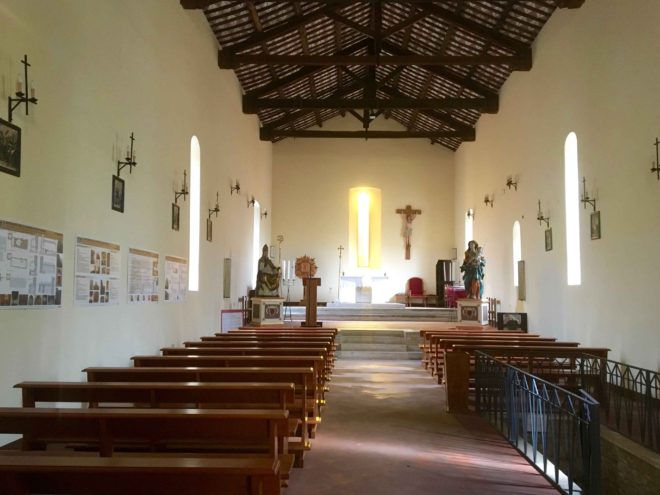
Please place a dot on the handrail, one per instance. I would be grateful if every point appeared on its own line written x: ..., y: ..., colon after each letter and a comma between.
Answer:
x: 557, y: 430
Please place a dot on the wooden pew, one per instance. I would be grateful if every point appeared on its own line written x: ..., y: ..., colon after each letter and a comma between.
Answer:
x: 254, y: 431
x: 137, y: 475
x: 254, y: 350
x: 543, y: 361
x: 316, y: 362
x: 442, y: 344
x: 305, y: 406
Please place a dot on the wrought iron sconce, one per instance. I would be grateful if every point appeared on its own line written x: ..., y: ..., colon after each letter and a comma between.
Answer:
x: 22, y: 95
x: 216, y: 209
x: 209, y: 222
x: 251, y: 202
x: 585, y: 199
x: 541, y: 218
x: 511, y: 183
x: 184, y: 190
x: 236, y: 188
x: 130, y: 160
x: 655, y: 169
x: 264, y: 214
x: 470, y: 213
x: 489, y: 200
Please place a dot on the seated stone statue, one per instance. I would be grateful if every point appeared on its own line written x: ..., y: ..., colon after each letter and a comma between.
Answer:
x: 268, y: 276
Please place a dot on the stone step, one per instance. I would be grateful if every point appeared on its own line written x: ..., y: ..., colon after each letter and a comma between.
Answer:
x: 378, y: 355
x: 349, y: 332
x: 350, y: 346
x: 370, y: 339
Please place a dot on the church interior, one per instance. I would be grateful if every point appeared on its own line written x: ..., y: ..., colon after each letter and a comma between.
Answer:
x: 176, y: 138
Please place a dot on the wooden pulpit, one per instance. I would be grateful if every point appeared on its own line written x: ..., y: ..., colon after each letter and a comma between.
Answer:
x: 310, y: 284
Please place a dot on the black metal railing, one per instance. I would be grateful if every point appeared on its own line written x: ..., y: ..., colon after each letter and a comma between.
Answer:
x: 557, y: 430
x: 629, y: 397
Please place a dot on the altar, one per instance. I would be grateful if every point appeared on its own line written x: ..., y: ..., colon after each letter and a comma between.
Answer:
x: 364, y: 289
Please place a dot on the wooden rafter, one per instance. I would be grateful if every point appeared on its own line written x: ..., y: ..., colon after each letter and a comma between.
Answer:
x: 266, y: 135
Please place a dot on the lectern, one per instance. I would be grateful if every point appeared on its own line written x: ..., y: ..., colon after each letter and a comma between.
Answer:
x: 310, y: 285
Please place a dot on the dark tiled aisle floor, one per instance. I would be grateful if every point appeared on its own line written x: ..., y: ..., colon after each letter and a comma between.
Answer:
x: 385, y: 432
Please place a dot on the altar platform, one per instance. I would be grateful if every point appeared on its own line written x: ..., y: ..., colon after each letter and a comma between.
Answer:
x: 374, y: 312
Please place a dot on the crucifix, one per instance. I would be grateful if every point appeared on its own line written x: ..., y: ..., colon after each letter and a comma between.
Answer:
x: 408, y: 215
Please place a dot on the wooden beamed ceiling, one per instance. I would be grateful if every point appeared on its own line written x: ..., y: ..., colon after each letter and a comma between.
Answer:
x: 432, y: 66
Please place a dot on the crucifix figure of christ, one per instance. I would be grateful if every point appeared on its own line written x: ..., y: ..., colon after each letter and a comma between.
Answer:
x: 408, y: 215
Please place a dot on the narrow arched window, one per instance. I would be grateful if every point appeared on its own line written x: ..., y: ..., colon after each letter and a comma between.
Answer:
x: 517, y: 251
x: 572, y: 195
x: 195, y: 175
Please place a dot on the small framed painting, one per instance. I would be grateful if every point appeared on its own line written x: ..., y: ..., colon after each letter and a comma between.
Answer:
x: 512, y: 321
x: 10, y: 148
x: 118, y: 194
x: 209, y: 230
x: 548, y: 240
x: 595, y: 225
x: 175, y: 217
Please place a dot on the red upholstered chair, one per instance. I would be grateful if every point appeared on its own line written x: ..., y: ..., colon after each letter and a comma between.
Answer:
x: 415, y: 291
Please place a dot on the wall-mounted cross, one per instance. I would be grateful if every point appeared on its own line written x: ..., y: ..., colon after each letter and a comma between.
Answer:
x: 408, y: 215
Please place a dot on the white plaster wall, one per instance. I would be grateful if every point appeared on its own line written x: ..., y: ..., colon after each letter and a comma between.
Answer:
x: 595, y: 73
x: 104, y: 69
x: 311, y: 182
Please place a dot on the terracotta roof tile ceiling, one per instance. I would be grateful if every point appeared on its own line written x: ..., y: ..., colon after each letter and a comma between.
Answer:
x: 432, y: 66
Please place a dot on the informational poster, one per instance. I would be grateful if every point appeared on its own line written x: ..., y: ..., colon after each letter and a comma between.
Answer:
x: 30, y: 267
x: 98, y: 273
x: 142, y: 276
x: 230, y: 319
x: 176, y: 279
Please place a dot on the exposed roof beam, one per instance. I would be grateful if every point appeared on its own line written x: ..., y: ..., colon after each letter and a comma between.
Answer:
x: 196, y: 4
x: 442, y: 72
x: 302, y: 73
x: 270, y: 135
x: 257, y: 39
x: 351, y: 24
x: 570, y: 4
x: 404, y: 24
x: 479, y: 29
x: 486, y: 105
x: 351, y: 88
x: 231, y: 62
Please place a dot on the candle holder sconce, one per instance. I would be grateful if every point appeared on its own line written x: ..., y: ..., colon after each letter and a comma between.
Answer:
x: 22, y: 95
x: 655, y: 168
x: 209, y: 222
x: 264, y: 214
x: 131, y: 158
x: 184, y: 190
x: 236, y: 188
x: 489, y: 200
x: 251, y: 202
x: 470, y: 213
x: 585, y: 199
x: 511, y: 183
x: 542, y: 218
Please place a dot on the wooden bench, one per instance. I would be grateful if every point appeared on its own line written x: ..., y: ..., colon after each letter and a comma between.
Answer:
x: 258, y: 431
x: 441, y: 345
x: 254, y: 350
x: 137, y: 475
x: 305, y: 406
x: 542, y: 361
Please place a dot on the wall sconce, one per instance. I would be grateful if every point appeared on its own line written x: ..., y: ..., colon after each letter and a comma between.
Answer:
x: 541, y: 218
x: 209, y: 222
x: 130, y: 160
x: 656, y: 166
x: 470, y: 213
x: 585, y: 199
x: 22, y: 95
x: 264, y: 214
x: 236, y: 188
x: 216, y: 209
x: 184, y: 190
x: 251, y: 202
x: 511, y: 183
x: 489, y: 200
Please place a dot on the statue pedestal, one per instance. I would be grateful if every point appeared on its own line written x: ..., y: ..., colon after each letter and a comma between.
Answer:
x: 472, y: 312
x: 267, y: 311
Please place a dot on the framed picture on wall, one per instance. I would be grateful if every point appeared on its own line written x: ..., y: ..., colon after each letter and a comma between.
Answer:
x: 209, y: 230
x: 175, y: 217
x: 595, y: 225
x: 10, y: 148
x: 548, y: 240
x: 118, y: 194
x: 522, y: 291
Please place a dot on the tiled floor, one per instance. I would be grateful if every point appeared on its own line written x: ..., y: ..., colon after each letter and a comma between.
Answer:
x: 385, y: 432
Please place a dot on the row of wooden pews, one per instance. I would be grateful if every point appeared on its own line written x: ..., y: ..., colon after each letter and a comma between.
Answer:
x: 231, y: 414
x: 449, y: 354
